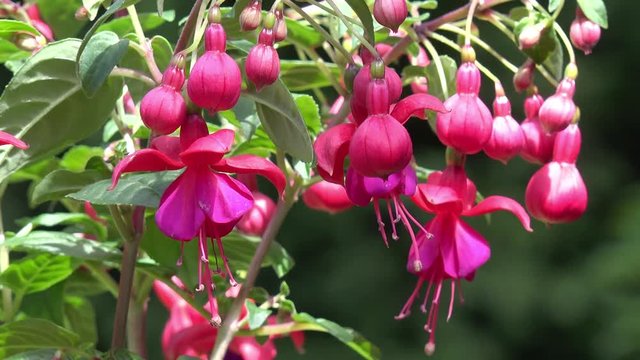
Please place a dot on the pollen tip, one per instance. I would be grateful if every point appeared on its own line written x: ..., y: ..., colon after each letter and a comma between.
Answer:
x: 430, y: 348
x: 417, y: 265
x: 402, y: 315
x: 200, y: 287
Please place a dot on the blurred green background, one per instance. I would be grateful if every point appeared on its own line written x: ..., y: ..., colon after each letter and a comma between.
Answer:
x: 561, y: 292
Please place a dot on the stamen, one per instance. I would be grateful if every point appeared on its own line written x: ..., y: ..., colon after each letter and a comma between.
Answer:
x: 430, y: 348
x: 417, y: 265
x: 460, y: 294
x: 416, y: 222
x: 215, y: 256
x: 376, y: 208
x: 406, y: 309
x: 432, y: 318
x: 202, y: 243
x: 179, y: 262
x: 453, y: 296
x: 225, y: 261
x: 394, y: 234
x: 423, y: 307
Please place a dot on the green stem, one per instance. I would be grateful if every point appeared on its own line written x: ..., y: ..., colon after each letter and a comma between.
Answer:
x: 346, y: 23
x: 148, y: 51
x: 281, y: 329
x: 133, y: 74
x: 332, y: 12
x: 7, y: 303
x: 439, y: 68
x: 188, y: 28
x: 565, y: 41
x: 473, y: 4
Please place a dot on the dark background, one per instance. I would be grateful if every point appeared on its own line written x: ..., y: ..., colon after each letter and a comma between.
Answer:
x: 562, y: 292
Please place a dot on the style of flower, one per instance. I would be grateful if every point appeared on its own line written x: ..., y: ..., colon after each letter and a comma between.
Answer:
x: 455, y: 251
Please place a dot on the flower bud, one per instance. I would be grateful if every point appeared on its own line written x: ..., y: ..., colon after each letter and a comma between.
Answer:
x: 390, y: 13
x: 538, y: 146
x: 327, y: 197
x: 367, y: 57
x: 215, y: 80
x: 33, y: 11
x: 360, y: 89
x: 506, y: 139
x: 566, y: 146
x: 530, y: 36
x: 256, y: 220
x: 280, y: 28
x: 263, y: 64
x: 558, y: 110
x: 420, y: 84
x: 584, y: 33
x: 251, y: 16
x: 82, y: 14
x: 27, y: 42
x: 163, y: 109
x: 349, y: 76
x: 523, y: 78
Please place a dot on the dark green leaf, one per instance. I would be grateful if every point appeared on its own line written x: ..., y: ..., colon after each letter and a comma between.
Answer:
x: 58, y: 113
x: 257, y: 316
x: 35, y: 171
x: 103, y: 52
x: 595, y: 11
x: 122, y: 25
x: 136, y: 189
x: 34, y: 334
x: 115, y: 6
x: 36, y: 273
x: 362, y: 11
x: 348, y: 336
x: 59, y: 183
x: 281, y: 119
x: 59, y: 14
x: 301, y: 75
x: 81, y: 318
x: 82, y: 283
x: 555, y: 61
x: 47, y: 305
x: 63, y: 244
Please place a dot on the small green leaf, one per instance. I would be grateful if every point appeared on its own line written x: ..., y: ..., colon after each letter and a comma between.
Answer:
x: 115, y: 6
x: 555, y: 61
x: 348, y: 336
x: 86, y: 223
x: 36, y: 273
x: 143, y: 189
x: 284, y: 289
x: 281, y: 119
x: 9, y: 29
x: 301, y: 75
x: 149, y: 21
x: 61, y: 243
x: 59, y: 14
x: 81, y: 318
x: 60, y: 183
x: 596, y: 11
x: 433, y: 77
x: 518, y: 13
x: 34, y: 334
x: 76, y: 158
x: 160, y: 6
x: 553, y: 5
x: 362, y: 11
x: 548, y: 39
x: 257, y: 316
x: 92, y: 6
x: 102, y: 54
x: 310, y: 112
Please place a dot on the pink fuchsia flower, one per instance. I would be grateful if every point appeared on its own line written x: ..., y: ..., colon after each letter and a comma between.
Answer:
x: 204, y: 201
x: 558, y: 111
x: 327, y: 197
x: 455, y: 250
x: 163, y: 109
x: 467, y: 127
x: 263, y: 64
x: 215, y: 80
x: 506, y: 139
x: 584, y: 33
x: 556, y: 193
x: 8, y: 139
x: 538, y: 145
x: 390, y: 13
x: 255, y: 221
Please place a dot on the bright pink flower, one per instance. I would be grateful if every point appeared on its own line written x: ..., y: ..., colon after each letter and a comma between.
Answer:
x: 506, y: 139
x: 215, y: 80
x: 467, y: 127
x: 255, y: 221
x: 8, y: 139
x: 556, y: 193
x: 250, y: 16
x: 263, y: 64
x: 390, y: 13
x: 448, y: 248
x: 557, y: 112
x: 328, y: 197
x: 204, y: 201
x: 538, y: 145
x: 584, y: 33
x: 163, y: 109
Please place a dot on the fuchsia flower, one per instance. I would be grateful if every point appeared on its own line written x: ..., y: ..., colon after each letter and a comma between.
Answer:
x: 328, y: 197
x: 163, y: 109
x: 584, y: 33
x: 263, y: 64
x: 390, y: 13
x: 556, y: 193
x: 215, y: 80
x: 455, y: 250
x: 467, y: 127
x: 538, y: 145
x: 204, y: 201
x: 8, y: 139
x: 506, y: 139
x: 557, y: 112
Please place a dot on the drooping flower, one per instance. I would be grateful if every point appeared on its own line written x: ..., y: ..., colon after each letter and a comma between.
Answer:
x: 204, y: 201
x: 506, y: 139
x: 263, y: 63
x: 215, y: 80
x: 538, y: 145
x: 455, y: 250
x: 8, y: 139
x: 163, y: 109
x: 556, y: 193
x: 467, y: 127
x: 390, y: 13
x: 326, y: 196
x: 584, y: 33
x: 558, y: 111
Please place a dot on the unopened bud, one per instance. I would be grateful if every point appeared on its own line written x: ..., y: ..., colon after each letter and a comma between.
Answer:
x: 215, y: 16
x: 523, y: 78
x: 26, y: 42
x: 251, y: 16
x: 349, y: 75
x: 377, y: 69
x: 280, y: 31
x: 82, y: 14
x: 530, y: 36
x: 571, y: 71
x: 269, y: 20
x: 467, y: 54
x: 584, y: 33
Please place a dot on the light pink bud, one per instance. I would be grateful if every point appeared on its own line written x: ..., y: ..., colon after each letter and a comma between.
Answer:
x: 367, y: 57
x: 506, y: 139
x: 163, y: 109
x: 523, y: 78
x: 263, y: 64
x: 251, y: 16
x: 420, y: 84
x: 566, y: 146
x: 558, y: 110
x: 538, y: 146
x: 530, y: 36
x: 256, y: 220
x: 280, y: 29
x: 390, y: 13
x: 328, y: 197
x: 584, y: 33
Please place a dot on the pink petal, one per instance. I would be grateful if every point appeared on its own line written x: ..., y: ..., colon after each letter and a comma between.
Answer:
x: 6, y: 138
x: 165, y: 294
x: 196, y: 340
x: 356, y: 189
x: 415, y: 105
x: 251, y: 164
x: 169, y: 145
x: 331, y: 147
x: 144, y: 160
x: 439, y: 198
x: 495, y: 203
x: 250, y: 349
x: 210, y: 149
x: 223, y: 199
x: 180, y: 215
x: 428, y: 248
x: 463, y: 249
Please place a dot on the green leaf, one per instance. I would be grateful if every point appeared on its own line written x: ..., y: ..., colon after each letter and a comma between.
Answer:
x: 92, y: 6
x: 103, y: 52
x: 433, y: 77
x: 81, y: 318
x: 60, y: 183
x: 35, y: 171
x: 83, y: 283
x: 257, y: 316
x: 115, y: 6
x: 47, y: 305
x: 310, y: 112
x: 61, y: 243
x: 362, y: 11
x: 553, y: 5
x: 548, y: 39
x: 8, y: 30
x: 120, y: 354
x: 596, y: 11
x: 301, y: 75
x: 348, y: 336
x: 162, y: 52
x: 303, y: 35
x: 57, y: 113
x: 34, y: 334
x: 56, y: 219
x: 143, y: 189
x: 36, y: 273
x: 555, y: 61
x: 149, y: 21
x: 46, y: 354
x: 281, y: 119
x: 76, y: 158
x: 60, y: 16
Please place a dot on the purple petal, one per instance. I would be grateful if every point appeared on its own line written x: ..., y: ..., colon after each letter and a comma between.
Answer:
x: 356, y: 189
x: 179, y: 216
x: 222, y: 198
